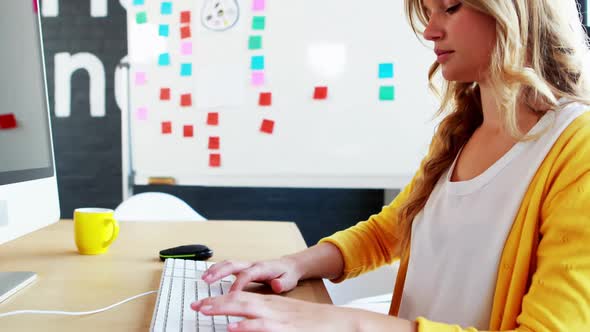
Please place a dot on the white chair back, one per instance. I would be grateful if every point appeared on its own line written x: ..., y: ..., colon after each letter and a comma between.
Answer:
x: 370, y: 291
x: 156, y: 206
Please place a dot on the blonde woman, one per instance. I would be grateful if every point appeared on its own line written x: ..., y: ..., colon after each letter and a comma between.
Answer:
x: 493, y: 232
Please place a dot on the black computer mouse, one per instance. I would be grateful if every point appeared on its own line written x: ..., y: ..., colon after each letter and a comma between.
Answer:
x: 195, y: 252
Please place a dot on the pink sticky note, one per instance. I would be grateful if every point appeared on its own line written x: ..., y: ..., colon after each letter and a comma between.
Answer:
x: 257, y: 78
x: 258, y: 5
x: 142, y: 113
x: 186, y: 48
x: 140, y: 78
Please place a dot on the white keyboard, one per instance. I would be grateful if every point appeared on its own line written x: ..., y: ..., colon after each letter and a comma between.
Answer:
x: 181, y: 284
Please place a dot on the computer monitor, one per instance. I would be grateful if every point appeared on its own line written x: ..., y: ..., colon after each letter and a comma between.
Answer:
x: 28, y: 186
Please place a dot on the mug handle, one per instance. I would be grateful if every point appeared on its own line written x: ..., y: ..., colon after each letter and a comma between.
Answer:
x: 115, y: 225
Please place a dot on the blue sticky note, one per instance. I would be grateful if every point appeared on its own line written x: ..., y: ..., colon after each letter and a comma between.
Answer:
x: 166, y: 8
x: 186, y: 69
x: 164, y: 30
x: 386, y: 70
x: 257, y: 62
x: 138, y: 2
x: 164, y: 59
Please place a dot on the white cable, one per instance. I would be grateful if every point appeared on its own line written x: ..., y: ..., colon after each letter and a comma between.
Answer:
x: 72, y: 313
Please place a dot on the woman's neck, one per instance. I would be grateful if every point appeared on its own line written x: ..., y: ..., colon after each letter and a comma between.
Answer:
x: 492, y: 120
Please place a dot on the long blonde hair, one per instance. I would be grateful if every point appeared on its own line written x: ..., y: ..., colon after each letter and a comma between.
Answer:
x: 539, y: 57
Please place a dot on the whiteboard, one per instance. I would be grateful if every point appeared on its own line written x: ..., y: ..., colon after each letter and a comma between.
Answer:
x: 351, y: 139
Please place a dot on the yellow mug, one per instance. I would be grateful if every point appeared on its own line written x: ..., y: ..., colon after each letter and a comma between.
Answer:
x: 95, y: 229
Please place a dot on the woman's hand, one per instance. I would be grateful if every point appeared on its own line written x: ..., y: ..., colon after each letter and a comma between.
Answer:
x: 272, y: 313
x: 281, y: 274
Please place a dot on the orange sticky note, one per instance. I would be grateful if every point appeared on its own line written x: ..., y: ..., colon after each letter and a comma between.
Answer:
x: 186, y: 100
x: 185, y: 32
x: 213, y: 118
x: 185, y: 17
x: 214, y: 160
x: 166, y: 127
x: 8, y: 121
x: 320, y: 92
x: 187, y: 131
x: 214, y: 143
x: 165, y: 94
x: 265, y: 99
x: 267, y: 126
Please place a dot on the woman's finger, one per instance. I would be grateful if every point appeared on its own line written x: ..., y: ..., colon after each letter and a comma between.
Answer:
x: 257, y: 325
x: 256, y: 272
x: 223, y: 269
x: 242, y: 304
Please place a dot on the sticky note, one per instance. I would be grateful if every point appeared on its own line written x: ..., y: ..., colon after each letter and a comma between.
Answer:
x: 8, y: 121
x: 142, y: 113
x: 166, y: 127
x: 141, y: 17
x: 213, y: 119
x: 386, y: 93
x: 185, y: 16
x: 258, y: 5
x: 140, y: 78
x: 164, y: 30
x: 257, y: 78
x: 386, y: 70
x: 267, y: 126
x: 214, y: 143
x: 257, y: 62
x: 138, y: 2
x: 166, y: 8
x: 165, y: 94
x: 265, y: 99
x: 320, y: 92
x: 186, y: 48
x: 187, y: 131
x: 164, y: 59
x: 186, y: 69
x: 35, y: 7
x: 215, y: 160
x: 255, y: 42
x: 186, y: 100
x: 258, y: 23
x: 185, y: 32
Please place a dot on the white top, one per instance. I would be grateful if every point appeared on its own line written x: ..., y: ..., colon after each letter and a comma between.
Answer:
x: 458, y: 238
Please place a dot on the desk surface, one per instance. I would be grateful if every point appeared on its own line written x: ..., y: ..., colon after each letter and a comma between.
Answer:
x: 71, y: 282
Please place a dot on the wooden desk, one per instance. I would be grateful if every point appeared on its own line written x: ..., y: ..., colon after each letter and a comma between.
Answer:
x: 71, y: 282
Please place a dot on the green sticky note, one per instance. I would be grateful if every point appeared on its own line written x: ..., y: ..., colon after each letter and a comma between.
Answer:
x: 258, y: 23
x: 255, y: 42
x: 386, y: 93
x: 141, y: 17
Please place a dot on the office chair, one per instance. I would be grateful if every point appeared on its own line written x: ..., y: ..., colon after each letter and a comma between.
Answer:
x: 156, y: 206
x: 370, y: 291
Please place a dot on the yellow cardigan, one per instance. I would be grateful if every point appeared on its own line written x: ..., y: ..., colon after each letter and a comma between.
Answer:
x: 543, y: 281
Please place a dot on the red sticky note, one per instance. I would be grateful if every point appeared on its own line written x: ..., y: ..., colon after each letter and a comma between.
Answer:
x: 214, y: 160
x: 165, y: 94
x: 35, y: 7
x: 185, y: 16
x: 320, y: 92
x: 265, y: 99
x: 166, y: 127
x: 267, y: 126
x: 213, y: 119
x: 185, y: 32
x: 8, y: 121
x: 186, y: 99
x: 214, y: 143
x: 187, y: 131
